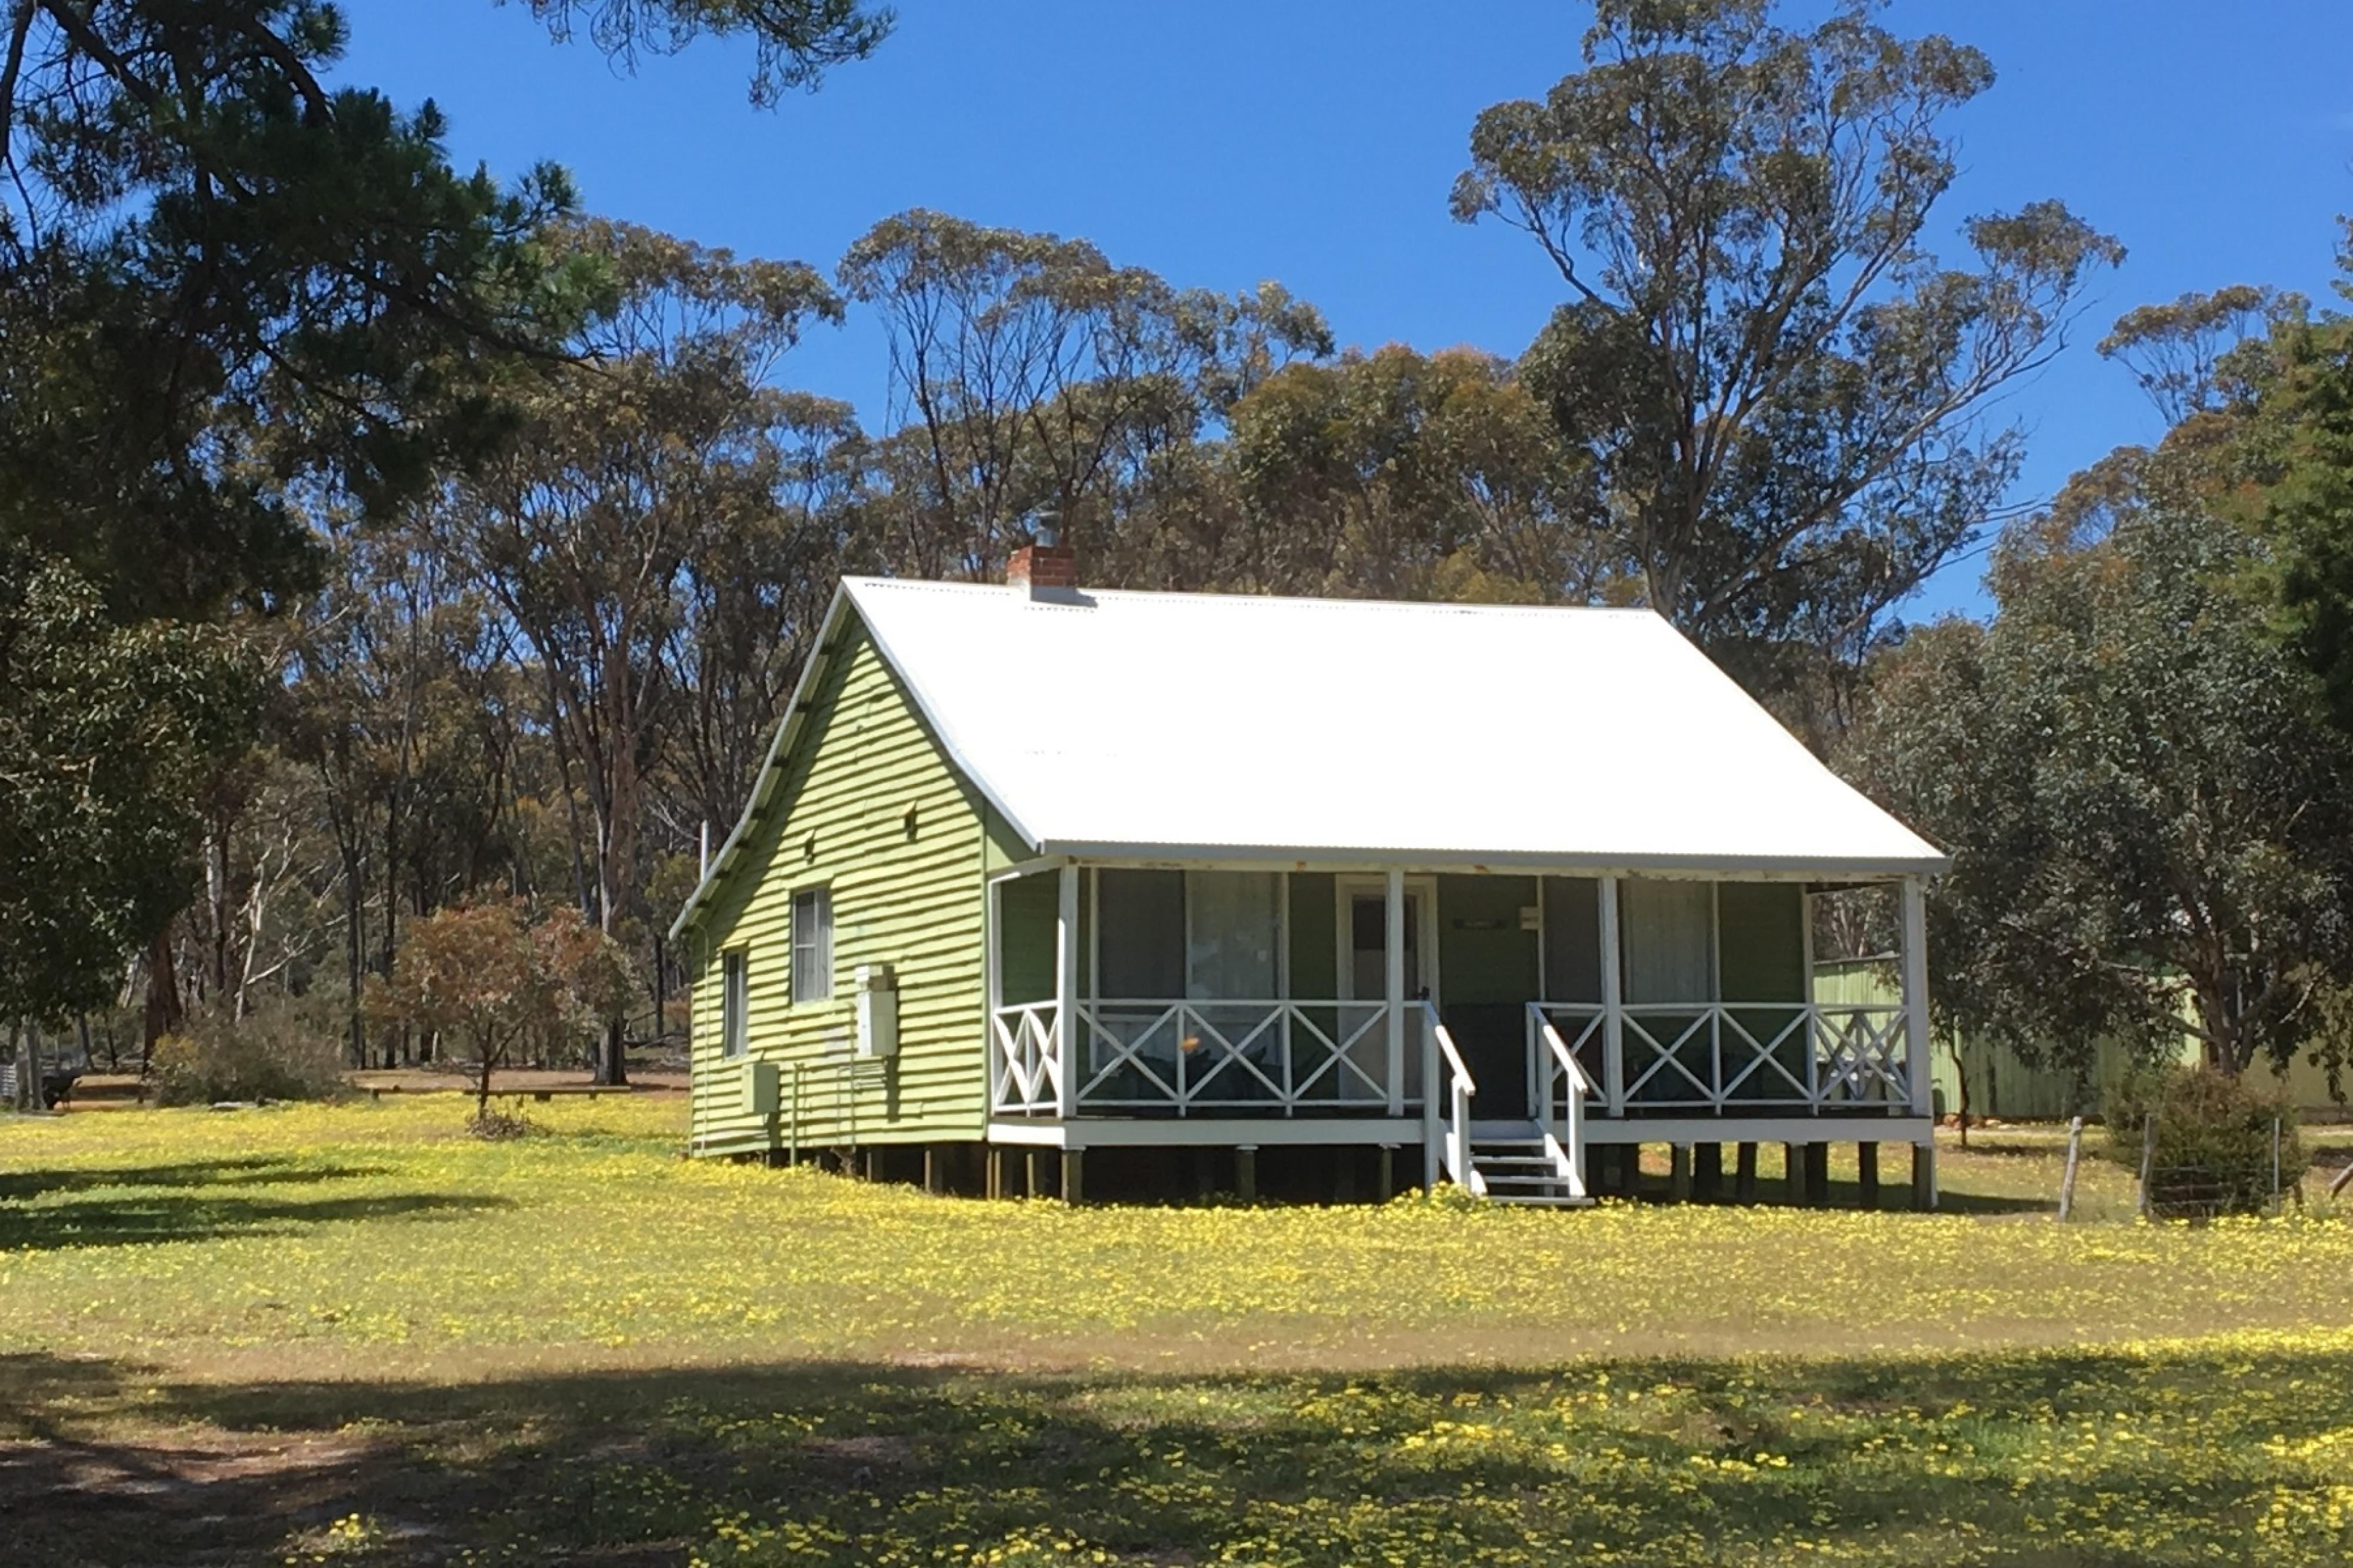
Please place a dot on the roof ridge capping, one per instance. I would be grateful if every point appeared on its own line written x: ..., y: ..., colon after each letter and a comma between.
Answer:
x: 1309, y: 600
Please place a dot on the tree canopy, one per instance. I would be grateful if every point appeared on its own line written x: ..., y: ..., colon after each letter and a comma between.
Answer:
x: 1791, y: 405
x: 2150, y: 820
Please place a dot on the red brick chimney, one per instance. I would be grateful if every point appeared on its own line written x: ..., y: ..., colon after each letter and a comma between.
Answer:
x: 1038, y: 568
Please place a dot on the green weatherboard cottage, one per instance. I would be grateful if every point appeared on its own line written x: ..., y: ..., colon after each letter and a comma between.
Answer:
x: 1049, y: 889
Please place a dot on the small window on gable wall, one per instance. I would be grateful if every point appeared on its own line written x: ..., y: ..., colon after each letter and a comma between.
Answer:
x: 734, y: 1004
x: 813, y: 944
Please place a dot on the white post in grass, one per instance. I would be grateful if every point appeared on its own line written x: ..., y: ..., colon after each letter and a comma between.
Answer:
x: 1613, y: 1032
x: 1067, y: 1033
x: 1394, y: 991
x: 1915, y: 995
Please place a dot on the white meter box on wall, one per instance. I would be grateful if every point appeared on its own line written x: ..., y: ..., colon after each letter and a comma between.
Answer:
x: 878, y: 1011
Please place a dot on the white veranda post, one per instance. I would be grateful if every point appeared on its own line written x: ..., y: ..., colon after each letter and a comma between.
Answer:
x: 1915, y: 994
x: 1613, y: 1033
x: 1393, y: 992
x: 1067, y: 1033
x: 1915, y: 1033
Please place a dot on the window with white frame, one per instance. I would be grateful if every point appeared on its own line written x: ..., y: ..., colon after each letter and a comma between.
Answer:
x: 812, y: 976
x: 734, y: 1003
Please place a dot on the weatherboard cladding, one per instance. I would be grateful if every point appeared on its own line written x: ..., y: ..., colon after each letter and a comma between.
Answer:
x: 838, y: 816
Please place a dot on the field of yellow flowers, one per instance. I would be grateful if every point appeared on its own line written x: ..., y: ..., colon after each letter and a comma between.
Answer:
x: 353, y: 1334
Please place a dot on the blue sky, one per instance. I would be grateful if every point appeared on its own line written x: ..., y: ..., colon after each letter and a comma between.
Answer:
x: 1224, y: 141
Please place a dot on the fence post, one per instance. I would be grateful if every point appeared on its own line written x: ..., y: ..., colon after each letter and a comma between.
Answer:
x: 2067, y: 1179
x: 2148, y: 1156
x: 2276, y: 1165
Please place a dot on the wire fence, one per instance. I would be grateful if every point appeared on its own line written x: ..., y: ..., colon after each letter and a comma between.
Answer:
x: 2207, y: 1189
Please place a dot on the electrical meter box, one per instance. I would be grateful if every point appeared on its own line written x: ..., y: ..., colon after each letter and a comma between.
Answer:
x: 878, y: 1011
x: 760, y: 1088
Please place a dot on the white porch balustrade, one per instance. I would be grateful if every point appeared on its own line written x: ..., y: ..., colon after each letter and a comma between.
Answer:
x: 1733, y: 1058
x: 1181, y: 1056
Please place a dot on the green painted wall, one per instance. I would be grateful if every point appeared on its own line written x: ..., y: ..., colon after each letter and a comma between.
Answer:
x: 839, y: 816
x: 1483, y: 955
x: 1572, y: 939
x: 1029, y: 909
x: 1761, y: 927
x: 1486, y: 977
x: 1315, y: 939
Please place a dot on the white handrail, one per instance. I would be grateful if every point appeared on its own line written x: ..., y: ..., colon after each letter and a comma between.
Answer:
x: 1455, y: 1146
x: 1564, y: 1143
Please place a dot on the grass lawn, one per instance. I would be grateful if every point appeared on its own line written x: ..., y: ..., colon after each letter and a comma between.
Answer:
x: 353, y: 1335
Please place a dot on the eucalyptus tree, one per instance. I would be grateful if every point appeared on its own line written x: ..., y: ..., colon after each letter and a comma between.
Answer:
x: 400, y: 701
x: 1792, y: 407
x: 1029, y: 373
x: 753, y: 598
x: 2186, y: 353
x: 665, y: 445
x: 1421, y: 475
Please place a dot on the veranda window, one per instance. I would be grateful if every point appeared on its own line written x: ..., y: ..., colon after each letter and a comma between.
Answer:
x: 1670, y: 941
x: 1201, y: 935
x: 1230, y: 935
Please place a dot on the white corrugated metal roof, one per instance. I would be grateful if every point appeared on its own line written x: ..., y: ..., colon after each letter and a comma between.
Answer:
x: 1171, y: 726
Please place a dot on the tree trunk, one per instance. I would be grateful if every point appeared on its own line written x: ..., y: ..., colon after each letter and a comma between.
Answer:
x: 27, y: 1072
x: 617, y: 853
x: 356, y: 950
x: 392, y: 913
x: 221, y: 964
x: 162, y: 1011
x: 1961, y: 1079
x: 612, y: 1066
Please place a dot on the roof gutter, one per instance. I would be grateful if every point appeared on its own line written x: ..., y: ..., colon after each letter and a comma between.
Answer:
x: 1342, y: 857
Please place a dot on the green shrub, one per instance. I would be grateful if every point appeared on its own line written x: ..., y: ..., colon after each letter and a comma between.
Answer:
x: 285, y: 1051
x: 2213, y: 1138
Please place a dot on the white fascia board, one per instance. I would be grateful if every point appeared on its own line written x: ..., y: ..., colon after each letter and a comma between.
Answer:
x: 788, y: 729
x: 771, y: 766
x: 945, y: 736
x: 1330, y: 859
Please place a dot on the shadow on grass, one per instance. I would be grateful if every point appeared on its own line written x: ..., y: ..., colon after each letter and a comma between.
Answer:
x: 1660, y: 1462
x: 251, y: 1170
x: 209, y: 1215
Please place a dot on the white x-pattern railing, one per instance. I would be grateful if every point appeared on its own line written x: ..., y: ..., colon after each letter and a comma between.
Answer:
x: 1025, y: 1060
x: 1732, y: 1056
x: 1188, y: 1057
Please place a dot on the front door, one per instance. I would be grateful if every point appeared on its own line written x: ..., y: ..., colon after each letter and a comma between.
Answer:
x: 1365, y: 958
